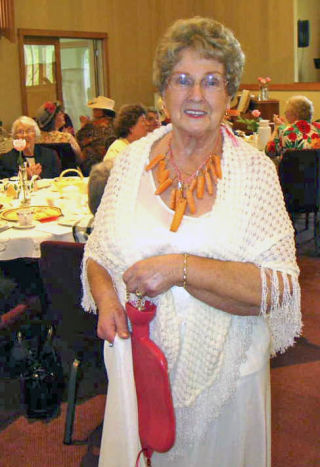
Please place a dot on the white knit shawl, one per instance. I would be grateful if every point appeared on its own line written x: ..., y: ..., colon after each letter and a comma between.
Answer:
x: 204, y: 364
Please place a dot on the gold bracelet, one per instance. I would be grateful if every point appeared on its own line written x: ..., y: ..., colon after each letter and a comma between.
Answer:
x: 185, y: 270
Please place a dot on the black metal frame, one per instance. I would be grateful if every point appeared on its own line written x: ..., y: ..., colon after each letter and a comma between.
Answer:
x: 299, y: 174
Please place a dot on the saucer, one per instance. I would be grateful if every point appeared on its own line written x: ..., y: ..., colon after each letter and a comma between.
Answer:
x: 68, y: 221
x: 24, y: 227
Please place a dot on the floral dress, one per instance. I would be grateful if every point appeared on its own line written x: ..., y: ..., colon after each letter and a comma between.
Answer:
x: 298, y: 135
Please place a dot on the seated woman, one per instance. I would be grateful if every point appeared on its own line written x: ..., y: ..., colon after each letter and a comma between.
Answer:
x: 94, y: 132
x: 129, y: 126
x: 40, y: 160
x: 50, y: 117
x: 299, y: 133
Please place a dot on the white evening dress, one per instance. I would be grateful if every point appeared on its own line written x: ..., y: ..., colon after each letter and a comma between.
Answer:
x: 219, y: 363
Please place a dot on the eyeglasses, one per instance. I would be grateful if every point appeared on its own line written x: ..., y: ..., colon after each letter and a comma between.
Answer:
x: 29, y: 131
x: 212, y: 82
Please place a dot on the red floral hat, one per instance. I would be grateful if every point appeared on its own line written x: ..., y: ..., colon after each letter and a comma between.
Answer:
x: 47, y: 112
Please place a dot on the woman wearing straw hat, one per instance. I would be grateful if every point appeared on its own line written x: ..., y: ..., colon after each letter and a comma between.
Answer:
x: 94, y: 133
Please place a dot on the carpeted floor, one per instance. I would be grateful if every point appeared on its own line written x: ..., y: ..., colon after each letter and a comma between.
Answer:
x: 39, y: 444
x: 295, y: 378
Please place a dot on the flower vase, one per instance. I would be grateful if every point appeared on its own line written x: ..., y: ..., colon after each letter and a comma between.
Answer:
x: 24, y: 192
x: 263, y: 93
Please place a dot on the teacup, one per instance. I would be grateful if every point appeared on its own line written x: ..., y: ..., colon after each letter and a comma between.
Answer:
x: 25, y: 217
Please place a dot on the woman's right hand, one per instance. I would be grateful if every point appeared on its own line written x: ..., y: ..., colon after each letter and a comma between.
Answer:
x: 278, y: 120
x: 112, y: 320
x: 112, y: 317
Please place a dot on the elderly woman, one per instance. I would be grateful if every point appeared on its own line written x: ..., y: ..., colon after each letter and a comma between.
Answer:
x: 97, y: 182
x: 130, y: 125
x: 217, y: 259
x: 40, y: 161
x: 299, y: 133
x: 50, y: 118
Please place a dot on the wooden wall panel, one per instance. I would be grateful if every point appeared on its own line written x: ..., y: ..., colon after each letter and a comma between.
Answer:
x: 264, y: 28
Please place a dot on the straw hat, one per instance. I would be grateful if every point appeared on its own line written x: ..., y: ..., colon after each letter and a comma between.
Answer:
x: 101, y: 102
x: 47, y: 112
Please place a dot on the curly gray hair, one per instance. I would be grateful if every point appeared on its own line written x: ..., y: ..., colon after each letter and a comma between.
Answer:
x: 301, y: 107
x: 205, y: 35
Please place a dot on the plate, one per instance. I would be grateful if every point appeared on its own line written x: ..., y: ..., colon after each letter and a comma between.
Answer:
x: 24, y: 227
x: 3, y: 226
x: 68, y: 221
x: 39, y: 212
x: 43, y: 183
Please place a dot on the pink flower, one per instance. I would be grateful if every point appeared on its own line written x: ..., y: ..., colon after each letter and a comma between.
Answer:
x: 19, y: 144
x: 256, y: 113
x: 265, y: 80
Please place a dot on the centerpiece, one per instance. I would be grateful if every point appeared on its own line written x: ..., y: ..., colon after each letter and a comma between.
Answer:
x: 263, y: 88
x: 24, y: 192
x: 252, y: 124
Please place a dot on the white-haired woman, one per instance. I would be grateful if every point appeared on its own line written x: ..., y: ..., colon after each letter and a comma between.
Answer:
x: 40, y: 161
x: 194, y: 218
x: 299, y: 133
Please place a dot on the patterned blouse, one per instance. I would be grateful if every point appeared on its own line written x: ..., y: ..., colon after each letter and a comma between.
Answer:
x: 298, y: 135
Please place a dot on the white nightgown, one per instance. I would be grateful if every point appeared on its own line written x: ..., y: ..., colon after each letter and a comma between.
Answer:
x: 218, y: 362
x: 240, y: 436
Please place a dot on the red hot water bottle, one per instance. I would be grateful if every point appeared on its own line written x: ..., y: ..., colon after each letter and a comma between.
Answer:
x: 155, y: 407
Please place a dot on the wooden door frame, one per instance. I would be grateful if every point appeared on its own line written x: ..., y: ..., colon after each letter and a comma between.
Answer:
x: 25, y: 34
x: 58, y: 75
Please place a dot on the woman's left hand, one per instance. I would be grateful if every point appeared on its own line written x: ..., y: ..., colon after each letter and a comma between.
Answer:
x: 154, y: 275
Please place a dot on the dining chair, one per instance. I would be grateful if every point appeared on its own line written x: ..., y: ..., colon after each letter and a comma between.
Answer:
x: 60, y: 266
x: 299, y: 174
x: 65, y: 154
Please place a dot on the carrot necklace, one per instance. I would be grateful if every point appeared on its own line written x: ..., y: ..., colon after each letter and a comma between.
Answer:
x: 182, y: 196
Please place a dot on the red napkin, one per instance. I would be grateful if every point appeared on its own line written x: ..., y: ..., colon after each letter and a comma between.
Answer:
x: 49, y: 219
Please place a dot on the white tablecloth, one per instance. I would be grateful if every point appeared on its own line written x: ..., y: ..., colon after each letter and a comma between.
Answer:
x: 18, y: 243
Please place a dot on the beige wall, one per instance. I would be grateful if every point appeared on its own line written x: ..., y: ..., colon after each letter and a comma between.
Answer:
x: 134, y: 29
x: 283, y: 96
x: 309, y: 10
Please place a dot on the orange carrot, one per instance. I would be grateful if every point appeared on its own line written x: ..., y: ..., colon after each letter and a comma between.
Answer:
x: 162, y: 164
x: 193, y: 184
x: 172, y: 202
x: 217, y: 165
x: 190, y: 201
x: 213, y: 172
x: 200, y: 186
x: 163, y: 175
x: 155, y: 161
x: 161, y: 188
x: 160, y: 169
x: 209, y: 184
x: 178, y: 215
x: 178, y: 195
